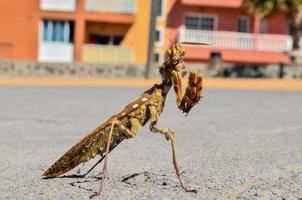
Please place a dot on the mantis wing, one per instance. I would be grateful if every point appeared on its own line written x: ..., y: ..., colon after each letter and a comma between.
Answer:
x: 94, y: 142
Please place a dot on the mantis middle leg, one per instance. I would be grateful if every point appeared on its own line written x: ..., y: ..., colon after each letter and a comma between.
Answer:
x: 170, y: 136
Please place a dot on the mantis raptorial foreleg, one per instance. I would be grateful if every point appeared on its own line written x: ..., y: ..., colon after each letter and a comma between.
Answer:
x: 170, y: 136
x: 193, y: 90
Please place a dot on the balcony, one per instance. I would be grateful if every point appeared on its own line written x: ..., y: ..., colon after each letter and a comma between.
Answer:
x: 107, y: 54
x: 55, y: 52
x: 58, y: 5
x: 211, y: 3
x: 239, y: 41
x: 112, y: 6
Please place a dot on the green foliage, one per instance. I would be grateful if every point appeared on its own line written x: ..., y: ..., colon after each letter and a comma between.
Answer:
x: 265, y: 8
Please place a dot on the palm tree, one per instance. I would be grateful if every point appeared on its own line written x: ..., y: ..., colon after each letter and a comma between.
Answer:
x: 293, y: 8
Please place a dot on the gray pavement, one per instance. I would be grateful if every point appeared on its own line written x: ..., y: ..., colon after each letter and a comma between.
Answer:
x: 233, y: 145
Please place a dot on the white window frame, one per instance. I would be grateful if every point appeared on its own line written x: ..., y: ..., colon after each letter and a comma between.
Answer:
x: 247, y: 18
x: 44, y: 47
x: 161, y: 31
x: 215, y: 17
x: 163, y: 10
x: 58, y: 5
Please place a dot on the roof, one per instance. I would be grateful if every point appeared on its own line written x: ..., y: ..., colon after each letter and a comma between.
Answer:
x: 214, y: 3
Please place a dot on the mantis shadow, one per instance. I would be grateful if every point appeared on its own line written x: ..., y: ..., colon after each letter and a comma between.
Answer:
x: 137, y: 179
x: 79, y: 183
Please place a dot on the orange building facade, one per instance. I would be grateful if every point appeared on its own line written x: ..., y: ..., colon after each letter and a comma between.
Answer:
x: 116, y: 31
x: 231, y: 32
x: 91, y: 31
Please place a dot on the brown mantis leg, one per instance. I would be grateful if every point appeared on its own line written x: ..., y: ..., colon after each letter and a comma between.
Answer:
x: 105, y: 163
x: 129, y: 134
x: 170, y: 136
x: 98, y: 162
x: 178, y: 173
x: 193, y: 90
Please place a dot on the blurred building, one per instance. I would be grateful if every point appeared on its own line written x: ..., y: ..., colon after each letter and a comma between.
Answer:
x: 66, y: 31
x: 230, y: 31
x: 116, y: 31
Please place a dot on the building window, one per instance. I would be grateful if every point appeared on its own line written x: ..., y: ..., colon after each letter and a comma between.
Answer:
x: 159, y: 7
x: 106, y: 39
x: 263, y: 26
x: 158, y: 57
x: 159, y: 34
x: 243, y: 25
x: 117, y: 39
x: 200, y: 22
x: 57, y: 31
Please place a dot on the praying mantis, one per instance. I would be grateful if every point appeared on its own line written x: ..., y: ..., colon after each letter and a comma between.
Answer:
x: 126, y: 123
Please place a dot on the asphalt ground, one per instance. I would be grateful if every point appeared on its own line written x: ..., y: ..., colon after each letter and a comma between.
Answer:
x: 235, y: 144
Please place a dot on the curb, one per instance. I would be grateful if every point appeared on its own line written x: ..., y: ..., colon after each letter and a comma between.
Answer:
x: 211, y: 83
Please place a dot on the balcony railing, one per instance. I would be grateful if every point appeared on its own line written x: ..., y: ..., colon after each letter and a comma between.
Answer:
x: 56, y: 52
x: 107, y: 54
x: 236, y: 40
x: 115, y: 6
x: 58, y: 5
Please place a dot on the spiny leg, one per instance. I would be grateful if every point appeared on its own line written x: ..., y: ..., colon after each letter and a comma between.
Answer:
x: 178, y: 173
x: 98, y: 162
x: 135, y: 125
x: 105, y: 163
x: 193, y: 91
x: 170, y: 136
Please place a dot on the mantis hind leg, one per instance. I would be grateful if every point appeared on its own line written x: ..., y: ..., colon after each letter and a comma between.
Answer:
x: 135, y: 125
x: 98, y: 162
x: 105, y: 164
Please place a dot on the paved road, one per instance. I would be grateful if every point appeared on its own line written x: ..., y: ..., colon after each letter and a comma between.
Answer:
x: 234, y: 145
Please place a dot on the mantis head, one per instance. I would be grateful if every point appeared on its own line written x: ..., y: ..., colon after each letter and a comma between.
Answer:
x: 172, y: 72
x: 174, y: 63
